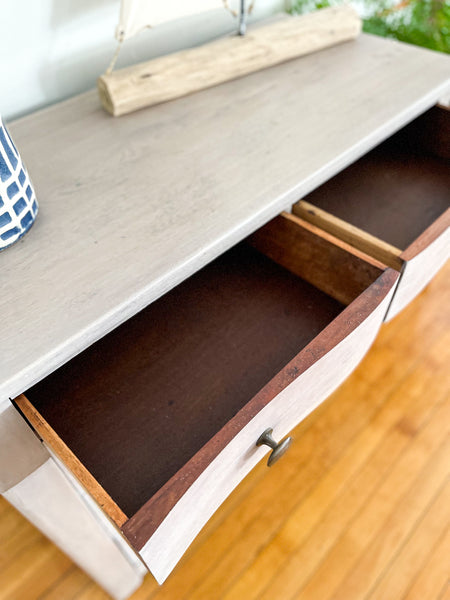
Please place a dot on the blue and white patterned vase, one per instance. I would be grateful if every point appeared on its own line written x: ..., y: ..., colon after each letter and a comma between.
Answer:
x: 18, y: 206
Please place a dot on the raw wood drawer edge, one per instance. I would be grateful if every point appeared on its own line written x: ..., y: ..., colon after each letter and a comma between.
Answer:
x: 56, y: 444
x: 356, y: 237
x: 428, y: 237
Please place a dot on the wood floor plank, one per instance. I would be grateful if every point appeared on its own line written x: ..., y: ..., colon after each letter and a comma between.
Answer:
x: 68, y: 586
x: 12, y: 548
x: 16, y: 534
x: 412, y: 529
x: 356, y: 512
x: 10, y: 521
x: 432, y: 578
x: 34, y: 571
x: 361, y: 466
x: 89, y: 590
x: 92, y: 592
x: 415, y: 475
x: 4, y: 505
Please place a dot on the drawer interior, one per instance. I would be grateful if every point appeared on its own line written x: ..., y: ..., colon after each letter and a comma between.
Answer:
x: 140, y: 402
x: 395, y: 192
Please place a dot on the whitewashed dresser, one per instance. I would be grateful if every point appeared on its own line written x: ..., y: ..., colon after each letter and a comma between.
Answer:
x: 200, y: 272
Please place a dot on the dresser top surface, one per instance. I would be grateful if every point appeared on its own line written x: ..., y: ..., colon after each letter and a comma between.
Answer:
x: 130, y: 207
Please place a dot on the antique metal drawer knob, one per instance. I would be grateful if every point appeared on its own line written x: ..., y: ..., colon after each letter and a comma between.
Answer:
x: 266, y: 439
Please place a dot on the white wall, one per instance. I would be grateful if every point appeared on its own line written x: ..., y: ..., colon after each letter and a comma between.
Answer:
x: 53, y: 49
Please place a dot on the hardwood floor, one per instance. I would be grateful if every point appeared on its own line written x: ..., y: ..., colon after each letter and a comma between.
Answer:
x: 358, y: 509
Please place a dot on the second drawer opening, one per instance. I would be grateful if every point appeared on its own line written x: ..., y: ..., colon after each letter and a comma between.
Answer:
x: 393, y: 194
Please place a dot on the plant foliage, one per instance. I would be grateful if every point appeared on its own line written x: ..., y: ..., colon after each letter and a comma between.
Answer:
x: 422, y: 22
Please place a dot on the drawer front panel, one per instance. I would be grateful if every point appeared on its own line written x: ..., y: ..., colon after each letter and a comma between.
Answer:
x: 171, y: 539
x: 419, y: 271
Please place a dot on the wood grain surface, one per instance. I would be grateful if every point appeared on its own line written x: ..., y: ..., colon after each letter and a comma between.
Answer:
x: 188, y: 71
x: 368, y: 474
x: 131, y: 207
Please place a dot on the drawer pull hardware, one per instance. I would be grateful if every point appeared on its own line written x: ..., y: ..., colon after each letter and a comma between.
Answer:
x: 266, y: 439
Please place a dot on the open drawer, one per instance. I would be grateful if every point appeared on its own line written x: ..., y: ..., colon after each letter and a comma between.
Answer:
x: 159, y: 419
x: 394, y: 203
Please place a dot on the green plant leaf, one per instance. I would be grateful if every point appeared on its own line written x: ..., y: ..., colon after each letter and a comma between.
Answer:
x: 422, y: 22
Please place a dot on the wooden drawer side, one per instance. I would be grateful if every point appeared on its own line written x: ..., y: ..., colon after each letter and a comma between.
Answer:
x: 356, y: 237
x: 75, y: 466
x: 325, y: 261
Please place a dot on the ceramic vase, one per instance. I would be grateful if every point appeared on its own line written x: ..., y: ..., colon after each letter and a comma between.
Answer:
x: 18, y: 205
